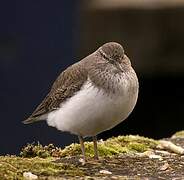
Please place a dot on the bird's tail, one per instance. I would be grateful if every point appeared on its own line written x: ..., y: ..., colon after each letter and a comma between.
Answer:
x: 31, y: 120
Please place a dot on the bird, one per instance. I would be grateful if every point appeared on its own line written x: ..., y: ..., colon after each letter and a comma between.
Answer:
x: 91, y: 96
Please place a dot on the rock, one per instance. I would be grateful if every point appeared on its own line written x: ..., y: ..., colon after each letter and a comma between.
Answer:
x: 29, y: 176
x: 105, y: 172
x: 171, y: 147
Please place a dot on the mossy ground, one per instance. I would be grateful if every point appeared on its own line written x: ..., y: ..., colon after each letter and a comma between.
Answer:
x: 117, y: 154
x: 179, y: 134
x: 110, y: 147
x: 12, y: 167
x: 41, y: 160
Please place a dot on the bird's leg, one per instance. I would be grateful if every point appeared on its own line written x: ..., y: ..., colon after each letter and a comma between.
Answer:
x: 81, y: 140
x: 95, y: 148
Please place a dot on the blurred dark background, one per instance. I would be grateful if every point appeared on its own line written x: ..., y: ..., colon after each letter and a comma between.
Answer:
x: 39, y: 39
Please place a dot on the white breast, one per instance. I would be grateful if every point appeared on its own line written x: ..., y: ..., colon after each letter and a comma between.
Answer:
x: 91, y: 111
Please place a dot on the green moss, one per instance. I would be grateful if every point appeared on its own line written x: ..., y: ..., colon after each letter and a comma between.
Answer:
x: 113, y: 146
x: 110, y: 147
x: 12, y: 167
x: 37, y: 150
x: 40, y: 160
x: 179, y: 134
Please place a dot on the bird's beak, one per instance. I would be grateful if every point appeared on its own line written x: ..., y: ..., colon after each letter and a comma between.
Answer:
x: 119, y: 67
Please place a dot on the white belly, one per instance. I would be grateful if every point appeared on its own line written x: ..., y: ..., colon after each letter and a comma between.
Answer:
x: 92, y: 111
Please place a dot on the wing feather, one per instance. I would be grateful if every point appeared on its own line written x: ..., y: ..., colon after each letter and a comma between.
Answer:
x: 66, y: 85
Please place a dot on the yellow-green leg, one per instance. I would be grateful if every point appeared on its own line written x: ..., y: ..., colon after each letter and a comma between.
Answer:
x: 95, y: 148
x: 81, y: 140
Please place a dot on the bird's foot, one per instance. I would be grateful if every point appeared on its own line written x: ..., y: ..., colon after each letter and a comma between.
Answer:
x: 82, y: 161
x: 96, y: 158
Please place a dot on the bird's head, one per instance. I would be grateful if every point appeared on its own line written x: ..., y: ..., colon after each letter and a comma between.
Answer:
x: 114, y: 53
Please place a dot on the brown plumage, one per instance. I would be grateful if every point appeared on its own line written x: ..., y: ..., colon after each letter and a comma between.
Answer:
x: 72, y: 79
x: 67, y: 83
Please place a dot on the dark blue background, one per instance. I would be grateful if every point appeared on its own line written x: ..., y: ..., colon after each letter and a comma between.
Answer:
x: 36, y: 44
